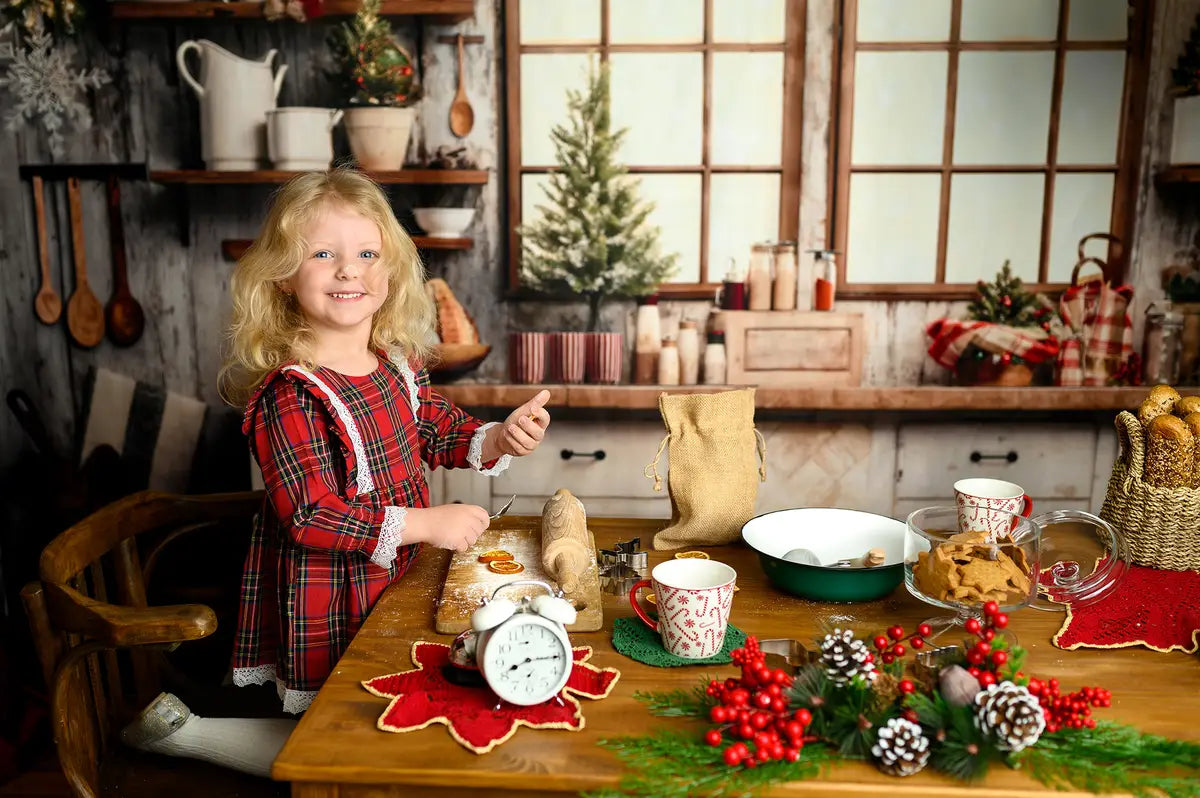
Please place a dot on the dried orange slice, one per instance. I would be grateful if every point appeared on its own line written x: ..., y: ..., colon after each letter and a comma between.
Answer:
x: 690, y: 555
x: 505, y: 567
x: 494, y: 555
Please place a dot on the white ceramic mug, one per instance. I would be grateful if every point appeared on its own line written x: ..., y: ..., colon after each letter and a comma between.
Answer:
x: 988, y: 504
x: 693, y: 598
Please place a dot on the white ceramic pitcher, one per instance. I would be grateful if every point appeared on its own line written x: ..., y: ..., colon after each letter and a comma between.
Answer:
x: 235, y: 94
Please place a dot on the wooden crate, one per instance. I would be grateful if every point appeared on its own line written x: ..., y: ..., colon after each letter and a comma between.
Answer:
x: 793, y: 348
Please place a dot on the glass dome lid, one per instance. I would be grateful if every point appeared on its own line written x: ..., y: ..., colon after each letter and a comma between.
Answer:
x: 1083, y: 558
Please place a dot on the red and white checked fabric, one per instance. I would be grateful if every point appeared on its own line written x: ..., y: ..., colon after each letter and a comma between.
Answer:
x: 605, y: 353
x: 1099, y: 332
x: 951, y: 338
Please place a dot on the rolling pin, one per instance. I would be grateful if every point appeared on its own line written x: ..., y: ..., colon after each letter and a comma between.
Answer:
x: 567, y: 546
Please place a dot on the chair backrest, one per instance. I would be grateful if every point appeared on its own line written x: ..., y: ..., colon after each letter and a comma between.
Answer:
x: 98, y: 642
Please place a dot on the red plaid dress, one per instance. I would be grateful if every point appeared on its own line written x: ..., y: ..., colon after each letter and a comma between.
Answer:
x: 341, y: 458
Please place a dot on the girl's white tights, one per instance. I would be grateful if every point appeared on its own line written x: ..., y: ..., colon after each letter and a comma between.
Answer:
x: 168, y: 727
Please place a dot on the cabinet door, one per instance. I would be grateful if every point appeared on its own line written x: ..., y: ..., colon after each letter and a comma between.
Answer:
x: 1054, y: 461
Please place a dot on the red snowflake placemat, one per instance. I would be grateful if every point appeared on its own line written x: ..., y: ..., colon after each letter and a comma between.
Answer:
x: 476, y: 718
x: 1149, y: 607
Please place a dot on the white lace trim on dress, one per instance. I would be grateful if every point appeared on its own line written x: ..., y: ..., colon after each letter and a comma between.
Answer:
x: 363, y: 471
x: 390, y: 536
x: 294, y: 701
x: 410, y: 382
x: 475, y: 453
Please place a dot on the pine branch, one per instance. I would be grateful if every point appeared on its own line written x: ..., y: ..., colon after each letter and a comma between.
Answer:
x: 677, y: 703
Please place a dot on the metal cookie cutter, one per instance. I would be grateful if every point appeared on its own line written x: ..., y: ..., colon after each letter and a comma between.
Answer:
x: 622, y: 566
x: 791, y: 655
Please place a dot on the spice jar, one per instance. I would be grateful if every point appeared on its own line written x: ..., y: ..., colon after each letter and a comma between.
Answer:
x: 714, y: 359
x: 668, y: 363
x: 759, y: 277
x: 1161, y: 346
x: 784, y: 286
x: 689, y: 353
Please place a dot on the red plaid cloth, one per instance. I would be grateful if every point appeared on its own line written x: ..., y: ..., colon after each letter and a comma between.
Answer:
x: 308, y: 582
x: 951, y: 338
x: 1100, y: 336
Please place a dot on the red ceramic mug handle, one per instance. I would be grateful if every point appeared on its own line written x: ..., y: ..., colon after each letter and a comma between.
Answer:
x: 1028, y: 504
x: 637, y: 607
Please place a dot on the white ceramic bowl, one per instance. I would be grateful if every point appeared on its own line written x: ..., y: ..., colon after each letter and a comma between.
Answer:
x: 444, y: 222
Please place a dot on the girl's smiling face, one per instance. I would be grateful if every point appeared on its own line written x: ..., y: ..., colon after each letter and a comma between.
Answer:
x: 341, y: 281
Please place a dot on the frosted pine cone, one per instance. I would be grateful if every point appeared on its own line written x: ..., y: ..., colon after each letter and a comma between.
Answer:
x: 1011, y: 714
x: 845, y: 657
x: 902, y: 748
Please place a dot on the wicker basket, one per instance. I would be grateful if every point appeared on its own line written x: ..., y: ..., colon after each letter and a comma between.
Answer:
x: 1161, y: 526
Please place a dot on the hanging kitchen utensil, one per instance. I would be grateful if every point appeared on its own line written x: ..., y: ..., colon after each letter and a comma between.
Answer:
x: 47, y: 303
x: 85, y: 315
x: 462, y: 116
x: 123, y: 315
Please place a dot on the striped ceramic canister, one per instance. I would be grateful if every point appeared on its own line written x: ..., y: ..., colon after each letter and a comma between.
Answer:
x: 568, y: 356
x: 527, y: 357
x: 605, y: 353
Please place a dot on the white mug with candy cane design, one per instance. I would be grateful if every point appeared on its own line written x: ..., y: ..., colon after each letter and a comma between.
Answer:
x: 693, y: 598
x: 984, y: 505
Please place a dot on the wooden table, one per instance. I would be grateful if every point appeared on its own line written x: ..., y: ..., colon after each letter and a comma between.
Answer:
x: 337, y: 751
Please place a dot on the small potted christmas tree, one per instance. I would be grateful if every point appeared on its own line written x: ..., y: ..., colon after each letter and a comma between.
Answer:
x: 593, y: 238
x: 379, y: 82
x: 1185, y: 132
x: 1004, y: 339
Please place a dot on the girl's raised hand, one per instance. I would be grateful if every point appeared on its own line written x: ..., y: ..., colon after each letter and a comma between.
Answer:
x: 447, y: 526
x: 525, y: 427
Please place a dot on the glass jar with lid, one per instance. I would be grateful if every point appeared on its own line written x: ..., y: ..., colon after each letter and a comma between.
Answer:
x: 1161, y: 346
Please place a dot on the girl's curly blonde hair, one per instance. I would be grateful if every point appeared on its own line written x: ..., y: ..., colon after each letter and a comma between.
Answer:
x: 268, y: 329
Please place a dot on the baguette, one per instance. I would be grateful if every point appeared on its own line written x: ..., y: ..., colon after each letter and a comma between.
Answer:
x: 1170, y: 453
x: 1192, y: 420
x: 1187, y: 405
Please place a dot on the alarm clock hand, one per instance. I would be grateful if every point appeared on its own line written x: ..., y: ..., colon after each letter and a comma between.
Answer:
x: 529, y: 660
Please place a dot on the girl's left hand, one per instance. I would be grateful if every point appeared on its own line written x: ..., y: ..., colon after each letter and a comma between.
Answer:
x: 525, y: 427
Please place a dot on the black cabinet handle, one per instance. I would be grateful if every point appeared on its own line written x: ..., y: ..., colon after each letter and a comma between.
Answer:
x: 1011, y: 457
x: 567, y: 454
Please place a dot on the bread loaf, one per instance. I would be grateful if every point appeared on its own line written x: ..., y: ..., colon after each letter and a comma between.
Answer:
x: 1170, y: 453
x: 1187, y: 405
x: 1165, y: 396
x: 1150, y: 410
x: 454, y: 324
x: 1192, y: 420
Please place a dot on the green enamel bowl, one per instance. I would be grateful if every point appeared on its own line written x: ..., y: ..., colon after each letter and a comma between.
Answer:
x: 831, y: 534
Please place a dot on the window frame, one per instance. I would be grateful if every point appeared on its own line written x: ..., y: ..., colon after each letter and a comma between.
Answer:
x: 1126, y: 170
x: 789, y: 168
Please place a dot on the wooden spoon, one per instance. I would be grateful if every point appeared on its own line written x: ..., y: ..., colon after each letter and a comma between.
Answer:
x: 85, y: 316
x: 462, y: 116
x: 123, y: 314
x: 47, y: 303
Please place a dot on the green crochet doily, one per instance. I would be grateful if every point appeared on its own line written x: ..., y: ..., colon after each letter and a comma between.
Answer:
x: 637, y: 641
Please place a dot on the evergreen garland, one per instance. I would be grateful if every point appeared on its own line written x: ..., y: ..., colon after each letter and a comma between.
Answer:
x: 593, y: 238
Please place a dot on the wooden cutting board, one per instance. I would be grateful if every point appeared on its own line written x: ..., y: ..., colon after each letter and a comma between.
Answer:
x: 468, y: 580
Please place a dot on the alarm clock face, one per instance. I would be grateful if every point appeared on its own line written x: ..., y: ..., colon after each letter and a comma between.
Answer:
x: 526, y: 660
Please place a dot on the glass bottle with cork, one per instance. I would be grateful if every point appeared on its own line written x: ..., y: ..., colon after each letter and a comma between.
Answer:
x: 733, y: 288
x: 825, y: 282
x: 759, y: 276
x: 783, y: 294
x: 1161, y: 346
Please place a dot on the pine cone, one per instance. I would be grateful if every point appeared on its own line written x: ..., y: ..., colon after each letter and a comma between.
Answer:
x: 1010, y: 714
x: 902, y: 748
x: 845, y: 657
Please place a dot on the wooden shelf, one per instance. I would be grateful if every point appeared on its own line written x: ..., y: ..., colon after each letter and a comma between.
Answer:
x: 234, y: 248
x: 1178, y: 175
x: 431, y: 177
x: 441, y: 11
x: 872, y: 399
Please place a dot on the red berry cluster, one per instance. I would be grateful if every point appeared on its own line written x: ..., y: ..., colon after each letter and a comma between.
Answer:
x: 754, y: 708
x: 1071, y: 711
x: 889, y: 648
x: 982, y: 661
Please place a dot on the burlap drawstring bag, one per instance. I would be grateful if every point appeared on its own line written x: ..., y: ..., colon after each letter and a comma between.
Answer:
x: 717, y: 458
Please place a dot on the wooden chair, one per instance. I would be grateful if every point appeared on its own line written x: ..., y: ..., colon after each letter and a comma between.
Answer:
x: 102, y: 648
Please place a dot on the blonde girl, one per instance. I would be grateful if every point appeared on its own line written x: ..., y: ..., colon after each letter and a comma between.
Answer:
x: 330, y: 328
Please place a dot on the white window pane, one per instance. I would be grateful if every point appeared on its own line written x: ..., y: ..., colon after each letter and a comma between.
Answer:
x: 1099, y: 20
x: 903, y: 20
x: 657, y: 22
x: 994, y: 218
x: 1008, y: 20
x: 743, y: 209
x: 659, y: 97
x: 1002, y: 114
x: 899, y: 108
x: 747, y: 126
x: 1093, y: 82
x: 893, y: 228
x: 560, y: 21
x: 676, y: 213
x: 749, y: 20
x: 1082, y: 205
x: 545, y: 79
x: 533, y: 194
